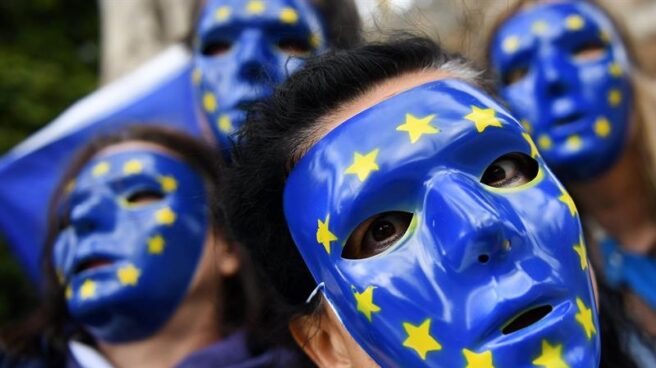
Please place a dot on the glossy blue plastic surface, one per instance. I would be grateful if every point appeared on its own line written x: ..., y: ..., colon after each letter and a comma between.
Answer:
x: 252, y: 61
x: 145, y: 253
x: 429, y: 300
x: 567, y: 79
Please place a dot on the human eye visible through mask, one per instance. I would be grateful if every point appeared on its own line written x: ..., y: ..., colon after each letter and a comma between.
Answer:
x: 377, y: 234
x: 511, y: 170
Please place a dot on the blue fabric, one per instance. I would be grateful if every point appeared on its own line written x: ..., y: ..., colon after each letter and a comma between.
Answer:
x: 635, y: 271
x: 28, y: 180
x: 473, y: 256
x: 566, y: 74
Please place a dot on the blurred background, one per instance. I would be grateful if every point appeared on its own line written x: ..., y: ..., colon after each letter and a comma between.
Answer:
x: 53, y: 52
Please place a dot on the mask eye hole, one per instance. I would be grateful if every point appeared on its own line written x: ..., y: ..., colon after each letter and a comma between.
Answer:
x: 63, y: 222
x: 294, y: 46
x: 511, y: 170
x: 588, y: 51
x: 377, y: 234
x: 144, y: 196
x: 216, y: 48
x: 514, y: 75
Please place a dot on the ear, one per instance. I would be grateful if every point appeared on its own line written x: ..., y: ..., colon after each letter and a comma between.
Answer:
x: 228, y: 256
x: 322, y: 339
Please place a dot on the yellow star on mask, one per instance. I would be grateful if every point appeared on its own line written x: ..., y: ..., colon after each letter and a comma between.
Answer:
x: 483, y: 118
x: 209, y: 102
x: 615, y: 69
x: 365, y: 302
x: 288, y: 16
x: 315, y: 40
x: 100, y: 169
x: 132, y: 167
x: 534, y: 149
x: 604, y: 35
x: 195, y: 76
x: 223, y: 13
x: 574, y: 22
x: 225, y: 124
x: 165, y: 216
x: 363, y: 165
x: 573, y: 143
x: 614, y: 97
x: 419, y: 338
x: 584, y: 318
x: 255, y: 7
x: 539, y: 28
x: 69, y: 292
x: 544, y: 142
x: 510, y: 44
x: 416, y: 127
x: 551, y: 356
x: 128, y: 275
x: 602, y: 127
x: 88, y: 290
x: 568, y: 201
x: 527, y: 126
x: 478, y: 360
x: 580, y: 250
x: 324, y: 236
x: 156, y: 244
x: 168, y: 183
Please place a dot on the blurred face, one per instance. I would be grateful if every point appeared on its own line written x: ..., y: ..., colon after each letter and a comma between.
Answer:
x: 564, y: 72
x: 137, y: 224
x: 246, y: 47
x: 439, y: 238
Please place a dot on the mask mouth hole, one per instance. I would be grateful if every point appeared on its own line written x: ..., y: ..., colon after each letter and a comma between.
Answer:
x: 568, y: 119
x: 527, y: 319
x: 91, y: 263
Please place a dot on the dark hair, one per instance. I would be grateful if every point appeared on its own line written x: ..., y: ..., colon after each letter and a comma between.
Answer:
x: 341, y: 19
x: 46, y: 333
x: 268, y: 145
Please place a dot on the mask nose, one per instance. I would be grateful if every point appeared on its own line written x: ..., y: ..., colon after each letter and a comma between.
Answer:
x: 465, y: 222
x: 552, y: 73
x: 95, y: 213
x: 255, y: 57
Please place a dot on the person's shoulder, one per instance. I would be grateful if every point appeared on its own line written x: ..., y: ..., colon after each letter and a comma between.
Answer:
x: 233, y: 352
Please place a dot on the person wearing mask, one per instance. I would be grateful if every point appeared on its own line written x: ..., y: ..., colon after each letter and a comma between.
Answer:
x: 567, y: 70
x: 408, y: 220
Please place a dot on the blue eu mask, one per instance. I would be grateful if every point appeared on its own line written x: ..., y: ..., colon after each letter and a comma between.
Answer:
x: 424, y: 261
x: 565, y: 73
x: 137, y: 227
x: 243, y: 49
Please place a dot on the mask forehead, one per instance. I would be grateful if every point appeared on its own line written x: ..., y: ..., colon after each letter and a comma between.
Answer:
x: 138, y: 221
x: 429, y: 127
x: 255, y: 13
x: 428, y: 301
x: 564, y: 72
x: 243, y: 49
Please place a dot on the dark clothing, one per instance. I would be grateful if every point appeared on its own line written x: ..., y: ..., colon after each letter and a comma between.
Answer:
x: 231, y: 352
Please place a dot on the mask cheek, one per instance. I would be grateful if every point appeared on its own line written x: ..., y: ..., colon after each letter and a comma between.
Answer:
x: 64, y: 255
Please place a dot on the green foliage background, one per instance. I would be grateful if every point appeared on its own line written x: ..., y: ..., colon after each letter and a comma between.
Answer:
x: 48, y: 60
